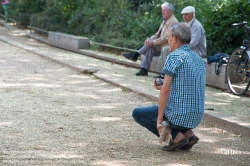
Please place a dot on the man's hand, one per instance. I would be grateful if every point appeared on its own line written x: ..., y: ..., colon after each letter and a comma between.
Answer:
x: 156, y: 86
x: 148, y: 42
x: 159, y: 126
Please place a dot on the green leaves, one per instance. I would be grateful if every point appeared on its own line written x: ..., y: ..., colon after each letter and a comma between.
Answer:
x: 221, y: 35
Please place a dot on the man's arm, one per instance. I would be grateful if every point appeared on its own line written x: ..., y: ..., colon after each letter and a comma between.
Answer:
x: 158, y: 33
x: 160, y: 38
x: 165, y: 26
x: 163, y: 98
x: 196, y: 36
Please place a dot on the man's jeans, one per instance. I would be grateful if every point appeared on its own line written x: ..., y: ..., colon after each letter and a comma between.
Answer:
x: 147, y: 117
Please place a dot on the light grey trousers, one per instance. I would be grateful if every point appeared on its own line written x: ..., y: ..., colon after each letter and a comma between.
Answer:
x: 161, y: 62
x: 149, y: 52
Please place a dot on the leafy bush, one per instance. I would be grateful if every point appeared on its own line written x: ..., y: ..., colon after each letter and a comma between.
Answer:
x: 50, y: 20
x: 217, y: 18
x: 23, y: 9
x: 106, y: 21
x: 220, y: 34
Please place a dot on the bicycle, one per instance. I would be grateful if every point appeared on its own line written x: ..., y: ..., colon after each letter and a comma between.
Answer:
x: 238, y: 66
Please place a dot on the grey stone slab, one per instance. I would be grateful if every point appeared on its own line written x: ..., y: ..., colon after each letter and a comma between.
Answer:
x: 67, y: 41
x: 214, y: 80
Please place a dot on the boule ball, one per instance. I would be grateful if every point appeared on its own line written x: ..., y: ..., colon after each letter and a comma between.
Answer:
x: 165, y: 124
x: 159, y: 82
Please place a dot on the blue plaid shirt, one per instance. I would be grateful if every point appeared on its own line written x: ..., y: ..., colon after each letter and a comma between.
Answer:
x: 187, y: 96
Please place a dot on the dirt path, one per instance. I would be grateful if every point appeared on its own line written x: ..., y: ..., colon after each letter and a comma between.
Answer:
x: 51, y: 115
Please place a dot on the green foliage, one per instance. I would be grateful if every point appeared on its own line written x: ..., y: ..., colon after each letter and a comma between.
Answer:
x: 1, y: 10
x: 21, y: 10
x: 221, y: 36
x: 217, y: 17
x: 107, y: 21
x: 67, y: 7
x: 50, y: 20
x: 125, y: 89
x: 27, y: 6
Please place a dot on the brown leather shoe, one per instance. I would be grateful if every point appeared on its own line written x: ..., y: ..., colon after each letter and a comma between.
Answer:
x: 174, y: 145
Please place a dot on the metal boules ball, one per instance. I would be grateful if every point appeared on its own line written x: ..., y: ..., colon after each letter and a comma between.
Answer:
x: 159, y: 81
x: 165, y: 124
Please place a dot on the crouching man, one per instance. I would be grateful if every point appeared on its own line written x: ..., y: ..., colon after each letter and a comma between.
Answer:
x: 182, y: 95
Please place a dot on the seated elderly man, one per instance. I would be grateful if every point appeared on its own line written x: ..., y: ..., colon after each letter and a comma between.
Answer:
x: 154, y: 44
x: 198, y: 40
x: 182, y: 95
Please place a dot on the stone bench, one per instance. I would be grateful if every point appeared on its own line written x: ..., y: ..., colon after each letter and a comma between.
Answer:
x: 69, y: 42
x: 218, y: 81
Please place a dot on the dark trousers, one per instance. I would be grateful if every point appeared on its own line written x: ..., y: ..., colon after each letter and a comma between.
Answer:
x: 147, y: 117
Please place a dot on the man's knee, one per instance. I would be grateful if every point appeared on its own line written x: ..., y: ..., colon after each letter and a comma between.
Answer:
x: 152, y: 52
x: 136, y: 113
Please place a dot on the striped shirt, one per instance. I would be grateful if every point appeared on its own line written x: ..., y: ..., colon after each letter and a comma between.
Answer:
x: 187, y: 96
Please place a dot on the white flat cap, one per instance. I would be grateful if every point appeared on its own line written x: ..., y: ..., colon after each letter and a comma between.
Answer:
x: 188, y: 9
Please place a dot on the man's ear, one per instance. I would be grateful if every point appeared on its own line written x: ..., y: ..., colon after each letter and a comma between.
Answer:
x: 175, y: 39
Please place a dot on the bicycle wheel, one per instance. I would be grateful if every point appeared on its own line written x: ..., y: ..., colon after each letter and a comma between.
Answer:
x: 238, y: 71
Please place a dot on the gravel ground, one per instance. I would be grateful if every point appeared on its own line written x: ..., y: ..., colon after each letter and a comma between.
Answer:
x: 51, y: 115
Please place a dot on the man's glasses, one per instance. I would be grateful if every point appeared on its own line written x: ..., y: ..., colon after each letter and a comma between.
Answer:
x: 170, y: 36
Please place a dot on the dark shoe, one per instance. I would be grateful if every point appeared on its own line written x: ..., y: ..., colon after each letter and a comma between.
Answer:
x: 193, y: 140
x: 130, y: 56
x: 142, y: 72
x: 173, y: 146
x: 160, y: 76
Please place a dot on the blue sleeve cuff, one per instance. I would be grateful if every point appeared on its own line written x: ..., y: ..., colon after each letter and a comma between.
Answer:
x: 168, y: 73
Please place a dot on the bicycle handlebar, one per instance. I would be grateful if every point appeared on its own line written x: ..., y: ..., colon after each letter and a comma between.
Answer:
x: 241, y: 24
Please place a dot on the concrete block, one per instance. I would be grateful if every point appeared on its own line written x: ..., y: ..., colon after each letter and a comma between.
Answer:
x: 219, y: 81
x: 69, y: 42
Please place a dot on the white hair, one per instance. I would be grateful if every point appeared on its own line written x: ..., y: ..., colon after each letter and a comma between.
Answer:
x: 168, y: 5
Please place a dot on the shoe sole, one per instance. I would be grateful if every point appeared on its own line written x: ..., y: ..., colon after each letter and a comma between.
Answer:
x: 193, y: 140
x: 184, y: 143
x: 134, y: 60
x: 141, y: 74
x: 181, y: 144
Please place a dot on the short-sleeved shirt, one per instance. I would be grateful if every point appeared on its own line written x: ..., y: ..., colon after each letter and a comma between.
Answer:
x: 187, y: 94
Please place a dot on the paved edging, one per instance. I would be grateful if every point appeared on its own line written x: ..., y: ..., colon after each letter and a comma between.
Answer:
x: 227, y: 122
x: 98, y: 56
x: 210, y: 116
